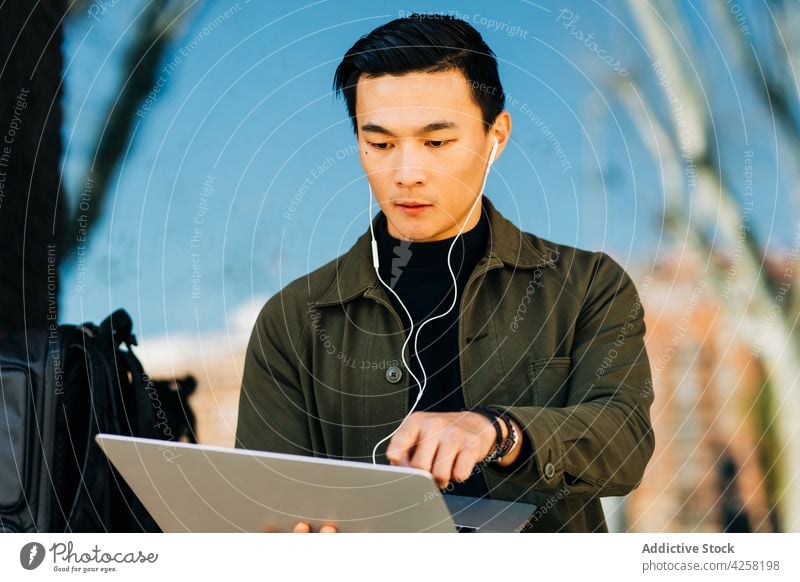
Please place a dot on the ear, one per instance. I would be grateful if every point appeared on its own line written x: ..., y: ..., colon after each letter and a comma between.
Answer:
x: 501, y: 130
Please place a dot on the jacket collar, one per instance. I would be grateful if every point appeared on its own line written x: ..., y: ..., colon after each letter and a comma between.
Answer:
x: 507, y: 246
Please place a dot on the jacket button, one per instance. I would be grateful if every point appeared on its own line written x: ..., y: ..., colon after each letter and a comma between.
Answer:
x: 549, y: 470
x: 393, y: 374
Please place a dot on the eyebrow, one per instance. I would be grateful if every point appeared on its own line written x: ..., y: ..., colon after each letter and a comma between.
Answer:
x: 431, y: 127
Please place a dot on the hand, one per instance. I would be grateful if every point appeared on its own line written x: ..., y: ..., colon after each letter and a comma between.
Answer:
x: 305, y: 527
x: 446, y: 444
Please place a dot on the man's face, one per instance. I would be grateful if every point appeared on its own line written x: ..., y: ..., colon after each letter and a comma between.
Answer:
x: 424, y: 149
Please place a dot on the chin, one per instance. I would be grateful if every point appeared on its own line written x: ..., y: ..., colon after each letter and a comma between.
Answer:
x: 413, y: 231
x: 427, y: 235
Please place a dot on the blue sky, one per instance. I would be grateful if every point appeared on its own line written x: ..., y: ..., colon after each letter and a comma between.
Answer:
x: 245, y: 130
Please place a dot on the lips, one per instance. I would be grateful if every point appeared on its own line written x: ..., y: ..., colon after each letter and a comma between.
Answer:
x: 413, y: 208
x: 409, y: 210
x: 413, y: 204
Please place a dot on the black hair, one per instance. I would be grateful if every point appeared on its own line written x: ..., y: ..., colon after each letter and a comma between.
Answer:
x: 426, y: 43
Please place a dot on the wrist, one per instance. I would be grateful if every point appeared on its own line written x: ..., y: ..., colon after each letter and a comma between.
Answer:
x: 511, y: 437
x: 511, y: 456
x: 496, y: 447
x: 508, y: 436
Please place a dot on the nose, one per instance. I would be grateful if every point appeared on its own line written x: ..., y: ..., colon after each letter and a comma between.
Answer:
x: 410, y: 170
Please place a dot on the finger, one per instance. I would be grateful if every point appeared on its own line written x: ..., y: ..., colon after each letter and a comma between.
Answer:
x: 400, y: 445
x: 327, y: 529
x: 465, y: 462
x: 425, y: 451
x: 442, y: 467
x: 301, y: 527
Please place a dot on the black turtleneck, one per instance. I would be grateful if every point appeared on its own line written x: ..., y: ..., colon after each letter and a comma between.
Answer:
x: 418, y: 273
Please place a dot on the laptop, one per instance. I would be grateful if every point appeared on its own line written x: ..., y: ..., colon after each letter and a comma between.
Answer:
x: 201, y: 488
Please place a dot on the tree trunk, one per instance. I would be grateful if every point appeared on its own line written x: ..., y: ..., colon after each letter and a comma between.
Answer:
x: 31, y: 216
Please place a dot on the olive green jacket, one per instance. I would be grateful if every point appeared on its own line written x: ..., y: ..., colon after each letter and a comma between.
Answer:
x: 550, y: 333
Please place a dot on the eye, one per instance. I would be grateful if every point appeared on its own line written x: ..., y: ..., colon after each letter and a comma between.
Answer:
x: 438, y: 143
x: 380, y: 146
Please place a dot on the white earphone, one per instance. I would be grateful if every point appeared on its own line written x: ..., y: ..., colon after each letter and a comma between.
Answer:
x: 375, y: 264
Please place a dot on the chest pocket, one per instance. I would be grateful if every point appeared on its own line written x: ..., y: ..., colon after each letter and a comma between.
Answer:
x: 549, y: 380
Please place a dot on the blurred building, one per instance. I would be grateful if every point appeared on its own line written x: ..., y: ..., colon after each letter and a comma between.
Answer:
x: 711, y: 468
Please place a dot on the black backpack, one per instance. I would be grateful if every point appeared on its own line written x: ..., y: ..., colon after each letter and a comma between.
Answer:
x: 60, y: 387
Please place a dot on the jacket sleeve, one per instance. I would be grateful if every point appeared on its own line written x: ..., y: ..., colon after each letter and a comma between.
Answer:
x: 272, y: 408
x: 601, y: 441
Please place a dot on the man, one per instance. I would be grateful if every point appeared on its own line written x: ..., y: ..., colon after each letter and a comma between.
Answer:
x: 530, y: 355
